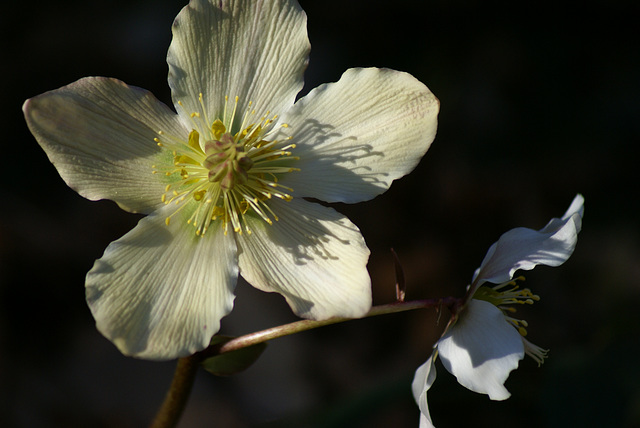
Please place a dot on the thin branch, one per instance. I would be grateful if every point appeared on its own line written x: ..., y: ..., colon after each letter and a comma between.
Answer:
x: 304, y: 325
x: 176, y: 398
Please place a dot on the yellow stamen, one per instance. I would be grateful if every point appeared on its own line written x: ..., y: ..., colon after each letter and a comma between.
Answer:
x: 218, y: 173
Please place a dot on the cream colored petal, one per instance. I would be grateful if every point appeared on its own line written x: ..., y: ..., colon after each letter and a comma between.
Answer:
x: 313, y: 255
x: 422, y: 381
x: 99, y: 133
x: 254, y: 49
x: 481, y: 349
x: 355, y: 136
x: 160, y: 291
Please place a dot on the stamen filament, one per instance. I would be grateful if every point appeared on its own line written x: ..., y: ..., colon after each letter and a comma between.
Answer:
x: 219, y: 175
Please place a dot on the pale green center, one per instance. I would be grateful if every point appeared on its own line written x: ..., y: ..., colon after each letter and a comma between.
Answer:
x: 504, y: 297
x: 216, y: 174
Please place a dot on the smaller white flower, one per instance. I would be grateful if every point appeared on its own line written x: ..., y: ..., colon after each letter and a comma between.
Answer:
x: 480, y: 346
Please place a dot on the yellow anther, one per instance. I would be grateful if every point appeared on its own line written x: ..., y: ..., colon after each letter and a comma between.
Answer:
x: 226, y: 174
x: 218, y: 128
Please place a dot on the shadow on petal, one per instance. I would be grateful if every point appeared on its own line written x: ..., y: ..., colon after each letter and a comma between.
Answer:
x: 481, y: 349
x: 334, y: 167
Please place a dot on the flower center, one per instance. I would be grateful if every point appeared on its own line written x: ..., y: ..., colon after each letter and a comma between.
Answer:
x: 217, y: 174
x: 510, y: 296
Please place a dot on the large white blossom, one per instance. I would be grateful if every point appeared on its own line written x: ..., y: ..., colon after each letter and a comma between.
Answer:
x: 483, y: 343
x: 225, y: 180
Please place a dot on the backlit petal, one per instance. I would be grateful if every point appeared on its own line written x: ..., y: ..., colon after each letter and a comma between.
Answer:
x: 160, y: 291
x: 99, y: 133
x: 355, y: 136
x: 313, y: 255
x: 253, y: 49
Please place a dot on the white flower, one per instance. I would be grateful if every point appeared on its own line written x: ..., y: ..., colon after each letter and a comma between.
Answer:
x: 480, y: 346
x: 225, y: 180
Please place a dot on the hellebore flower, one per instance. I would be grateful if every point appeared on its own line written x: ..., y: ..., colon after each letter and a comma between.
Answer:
x: 224, y: 181
x: 482, y: 343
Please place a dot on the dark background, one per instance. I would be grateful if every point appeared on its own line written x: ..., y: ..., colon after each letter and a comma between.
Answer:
x: 538, y: 102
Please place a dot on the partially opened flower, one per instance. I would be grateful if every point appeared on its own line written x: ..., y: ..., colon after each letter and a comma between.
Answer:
x: 483, y: 343
x: 224, y: 181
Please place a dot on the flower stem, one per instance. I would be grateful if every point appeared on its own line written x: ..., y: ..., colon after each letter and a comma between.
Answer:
x: 176, y: 398
x: 178, y: 394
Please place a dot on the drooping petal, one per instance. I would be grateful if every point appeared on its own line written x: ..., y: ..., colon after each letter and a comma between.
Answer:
x: 160, y: 291
x: 313, y: 255
x: 481, y: 349
x: 523, y: 248
x: 99, y: 133
x: 422, y: 381
x: 355, y: 136
x: 253, y: 49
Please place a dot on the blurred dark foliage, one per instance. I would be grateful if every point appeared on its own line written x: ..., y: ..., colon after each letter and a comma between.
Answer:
x: 539, y: 101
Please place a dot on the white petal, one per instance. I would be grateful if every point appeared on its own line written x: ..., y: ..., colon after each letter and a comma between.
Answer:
x: 355, y: 136
x: 481, y: 349
x: 313, y: 255
x: 422, y: 381
x: 576, y: 207
x: 523, y: 248
x: 99, y: 132
x: 256, y: 50
x: 159, y: 292
x: 425, y: 421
